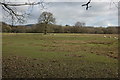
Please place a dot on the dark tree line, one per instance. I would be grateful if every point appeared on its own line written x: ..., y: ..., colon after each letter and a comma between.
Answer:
x: 52, y: 28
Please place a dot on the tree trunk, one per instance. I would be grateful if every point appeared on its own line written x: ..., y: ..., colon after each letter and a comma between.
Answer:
x: 45, y: 32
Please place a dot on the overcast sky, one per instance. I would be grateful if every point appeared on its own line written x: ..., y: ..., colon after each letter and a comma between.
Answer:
x: 102, y: 12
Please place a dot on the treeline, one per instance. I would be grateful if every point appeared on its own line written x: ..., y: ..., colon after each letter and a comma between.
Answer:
x: 39, y: 28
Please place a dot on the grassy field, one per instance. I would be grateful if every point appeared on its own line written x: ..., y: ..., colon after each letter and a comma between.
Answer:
x: 29, y: 55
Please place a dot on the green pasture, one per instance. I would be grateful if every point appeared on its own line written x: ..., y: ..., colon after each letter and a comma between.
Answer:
x: 59, y: 55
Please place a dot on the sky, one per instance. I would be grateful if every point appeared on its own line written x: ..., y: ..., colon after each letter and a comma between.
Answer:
x: 68, y: 12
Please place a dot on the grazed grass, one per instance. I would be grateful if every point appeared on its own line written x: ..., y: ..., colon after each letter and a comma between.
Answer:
x: 60, y: 55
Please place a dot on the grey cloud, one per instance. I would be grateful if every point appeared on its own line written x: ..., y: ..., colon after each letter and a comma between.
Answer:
x: 65, y: 12
x: 100, y: 14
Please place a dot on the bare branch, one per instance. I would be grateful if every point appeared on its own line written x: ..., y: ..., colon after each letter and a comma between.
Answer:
x: 115, y: 5
x: 22, y: 4
x: 10, y: 10
x: 87, y: 5
x: 8, y: 7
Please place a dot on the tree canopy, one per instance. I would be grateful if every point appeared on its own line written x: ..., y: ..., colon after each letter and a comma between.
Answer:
x: 47, y: 18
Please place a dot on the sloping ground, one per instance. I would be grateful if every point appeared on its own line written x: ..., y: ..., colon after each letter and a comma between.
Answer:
x: 59, y: 56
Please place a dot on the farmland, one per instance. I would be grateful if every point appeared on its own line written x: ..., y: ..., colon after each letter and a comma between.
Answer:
x: 29, y: 55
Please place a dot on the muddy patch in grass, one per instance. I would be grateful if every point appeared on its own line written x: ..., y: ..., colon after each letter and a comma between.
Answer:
x: 76, y: 42
x: 96, y: 42
x: 74, y: 55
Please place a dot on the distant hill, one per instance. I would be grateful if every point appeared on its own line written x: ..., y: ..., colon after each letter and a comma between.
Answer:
x: 5, y: 24
x: 29, y: 25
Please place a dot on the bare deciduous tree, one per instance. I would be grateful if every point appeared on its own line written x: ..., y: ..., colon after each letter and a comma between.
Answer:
x: 79, y: 24
x: 46, y: 18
